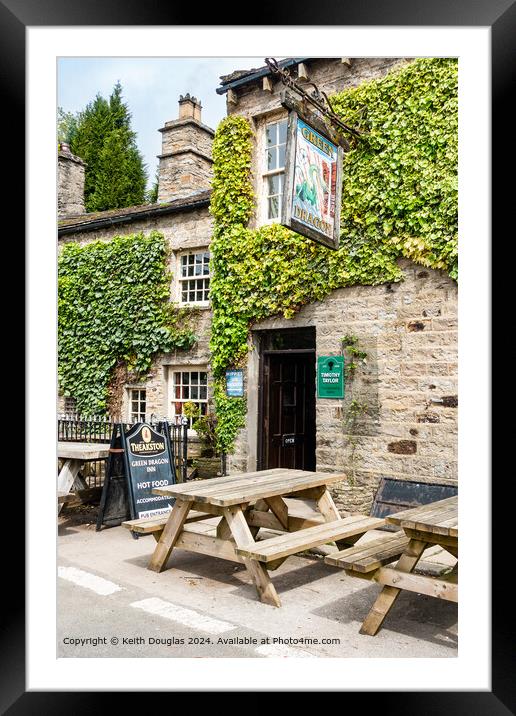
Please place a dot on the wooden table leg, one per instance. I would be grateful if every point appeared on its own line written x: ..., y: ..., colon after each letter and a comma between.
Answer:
x: 67, y: 476
x: 279, y: 509
x: 169, y: 536
x: 258, y: 572
x: 329, y: 511
x: 388, y: 595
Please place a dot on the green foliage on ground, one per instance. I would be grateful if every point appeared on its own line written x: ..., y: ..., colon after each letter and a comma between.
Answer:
x: 113, y: 305
x: 101, y: 135
x: 399, y: 200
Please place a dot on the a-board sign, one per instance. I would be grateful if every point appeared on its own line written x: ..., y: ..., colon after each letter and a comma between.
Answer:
x: 313, y: 183
x: 114, y: 502
x: 330, y: 377
x: 149, y: 464
x: 235, y: 383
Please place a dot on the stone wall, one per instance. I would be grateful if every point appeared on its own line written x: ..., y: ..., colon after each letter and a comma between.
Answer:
x: 158, y: 381
x: 185, y: 162
x: 181, y: 133
x: 408, y: 383
x: 70, y: 184
x: 183, y: 231
x: 182, y: 175
x: 330, y: 75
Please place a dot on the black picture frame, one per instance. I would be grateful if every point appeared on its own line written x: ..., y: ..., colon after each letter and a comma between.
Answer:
x: 500, y: 17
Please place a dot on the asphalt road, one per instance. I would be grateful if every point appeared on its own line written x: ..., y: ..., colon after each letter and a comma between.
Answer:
x: 110, y: 605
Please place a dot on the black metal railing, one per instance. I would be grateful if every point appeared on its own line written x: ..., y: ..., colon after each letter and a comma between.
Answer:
x: 99, y: 429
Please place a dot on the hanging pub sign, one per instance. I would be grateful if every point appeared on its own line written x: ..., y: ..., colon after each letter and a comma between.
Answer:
x: 313, y: 183
x: 148, y: 464
x: 330, y: 377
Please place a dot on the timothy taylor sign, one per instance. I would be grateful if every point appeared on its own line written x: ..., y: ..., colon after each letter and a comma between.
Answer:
x: 313, y: 181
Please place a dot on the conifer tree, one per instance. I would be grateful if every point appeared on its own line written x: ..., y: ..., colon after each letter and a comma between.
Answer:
x: 115, y: 174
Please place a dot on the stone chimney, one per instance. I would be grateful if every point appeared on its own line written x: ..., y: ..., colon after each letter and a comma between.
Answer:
x: 185, y: 164
x: 70, y: 183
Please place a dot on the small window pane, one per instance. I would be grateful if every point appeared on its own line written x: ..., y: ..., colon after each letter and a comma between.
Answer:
x: 281, y: 156
x: 195, y: 378
x: 271, y: 159
x: 274, y: 184
x: 203, y: 392
x: 203, y: 378
x: 282, y: 132
x: 186, y: 378
x: 270, y: 133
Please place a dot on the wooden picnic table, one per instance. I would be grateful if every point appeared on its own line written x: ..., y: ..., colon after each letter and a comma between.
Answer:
x: 74, y: 455
x: 432, y: 524
x: 245, y: 503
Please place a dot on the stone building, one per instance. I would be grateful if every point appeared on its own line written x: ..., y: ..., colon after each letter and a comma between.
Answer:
x: 408, y: 329
x: 181, y: 215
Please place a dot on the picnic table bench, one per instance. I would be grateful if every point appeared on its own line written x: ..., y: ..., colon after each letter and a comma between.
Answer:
x: 432, y: 524
x: 74, y: 455
x: 245, y: 503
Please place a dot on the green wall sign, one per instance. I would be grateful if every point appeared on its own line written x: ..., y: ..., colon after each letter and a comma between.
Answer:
x: 330, y: 377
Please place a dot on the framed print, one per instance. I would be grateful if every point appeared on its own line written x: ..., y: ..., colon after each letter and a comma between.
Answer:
x: 33, y: 38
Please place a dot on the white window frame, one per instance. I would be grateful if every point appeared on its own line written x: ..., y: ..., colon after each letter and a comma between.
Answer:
x: 265, y: 173
x: 180, y: 280
x: 133, y: 389
x: 172, y: 386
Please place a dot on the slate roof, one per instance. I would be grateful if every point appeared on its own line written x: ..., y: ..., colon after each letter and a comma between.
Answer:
x: 100, y: 219
x: 242, y: 77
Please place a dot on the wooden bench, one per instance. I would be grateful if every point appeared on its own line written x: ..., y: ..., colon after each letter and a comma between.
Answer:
x: 299, y: 516
x: 155, y: 525
x: 369, y: 556
x: 275, y: 548
x: 63, y: 497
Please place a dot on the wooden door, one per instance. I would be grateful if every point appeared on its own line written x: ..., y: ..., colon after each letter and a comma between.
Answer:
x: 288, y: 414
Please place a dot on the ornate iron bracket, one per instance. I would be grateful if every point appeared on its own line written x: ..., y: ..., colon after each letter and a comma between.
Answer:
x: 316, y: 98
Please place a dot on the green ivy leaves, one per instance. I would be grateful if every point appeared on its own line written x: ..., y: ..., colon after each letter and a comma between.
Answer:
x: 400, y: 181
x: 399, y: 199
x: 113, y: 304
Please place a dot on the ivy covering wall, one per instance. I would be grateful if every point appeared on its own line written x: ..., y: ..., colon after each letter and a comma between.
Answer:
x: 113, y: 305
x: 399, y: 200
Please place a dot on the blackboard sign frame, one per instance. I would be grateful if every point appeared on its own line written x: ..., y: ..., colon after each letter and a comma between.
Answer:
x: 162, y: 431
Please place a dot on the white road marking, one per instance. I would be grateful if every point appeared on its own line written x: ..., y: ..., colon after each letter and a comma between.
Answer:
x: 187, y: 617
x: 89, y: 581
x: 275, y: 650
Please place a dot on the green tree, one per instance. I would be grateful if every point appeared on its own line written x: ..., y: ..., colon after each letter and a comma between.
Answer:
x: 115, y: 173
x: 152, y: 193
x: 66, y: 125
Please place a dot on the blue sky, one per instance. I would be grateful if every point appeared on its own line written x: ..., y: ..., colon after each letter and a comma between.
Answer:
x: 151, y: 88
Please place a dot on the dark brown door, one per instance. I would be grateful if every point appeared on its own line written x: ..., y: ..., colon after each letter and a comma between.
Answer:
x: 288, y: 414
